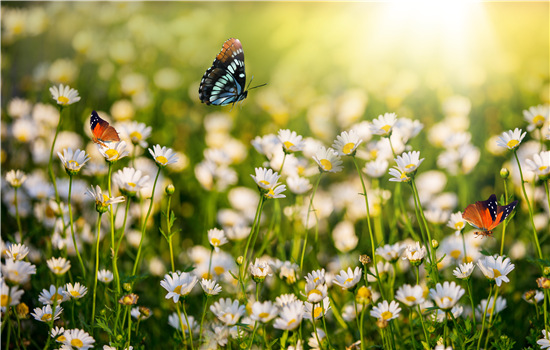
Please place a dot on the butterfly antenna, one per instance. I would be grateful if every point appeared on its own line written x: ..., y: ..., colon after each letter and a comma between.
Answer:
x: 257, y: 86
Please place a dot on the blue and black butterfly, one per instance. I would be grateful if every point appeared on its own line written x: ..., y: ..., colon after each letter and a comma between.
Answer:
x: 225, y: 81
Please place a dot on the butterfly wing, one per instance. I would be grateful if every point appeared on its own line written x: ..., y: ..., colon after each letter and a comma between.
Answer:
x: 224, y: 82
x: 502, y: 213
x: 482, y: 214
x: 101, y: 130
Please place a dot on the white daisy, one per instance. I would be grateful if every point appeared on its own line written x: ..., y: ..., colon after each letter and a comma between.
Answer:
x: 447, y: 295
x: 408, y: 162
x: 18, y: 271
x: 15, y: 178
x: 316, y: 310
x: 17, y: 251
x: 264, y: 312
x: 177, y: 322
x: 540, y: 165
x: 544, y: 342
x: 496, y: 268
x: 498, y: 306
x: 9, y: 296
x: 346, y: 143
x: 348, y: 279
x: 45, y: 313
x: 64, y: 95
x: 266, y: 179
x: 216, y: 238
x: 398, y: 175
x: 210, y: 287
x: 386, y: 312
x: 51, y: 295
x: 73, y: 162
x: 536, y: 116
x: 384, y: 124
x: 228, y: 311
x: 163, y: 156
x: 79, y: 339
x: 511, y: 139
x: 104, y: 276
x: 178, y: 284
x: 102, y: 200
x: 290, y: 316
x: 291, y: 141
x: 415, y: 253
x: 410, y: 295
x: 298, y: 185
x: 328, y: 160
x: 463, y: 271
x: 376, y: 168
x: 59, y: 266
x: 276, y: 192
x: 130, y: 181
x: 259, y: 270
x: 456, y: 222
x: 315, y: 292
x: 76, y: 291
x: 391, y: 252
x: 137, y: 132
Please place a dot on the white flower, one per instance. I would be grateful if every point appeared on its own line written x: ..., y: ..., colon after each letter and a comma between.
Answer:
x: 178, y: 284
x: 76, y: 291
x: 298, y: 185
x: 456, y: 222
x: 79, y: 339
x: 137, y: 132
x: 216, y: 238
x: 316, y: 310
x: 540, y: 165
x: 177, y: 322
x: 316, y: 277
x: 415, y: 253
x: 348, y: 279
x: 64, y: 95
x: 390, y: 252
x: 17, y: 251
x: 386, y: 312
x: 376, y: 168
x: 410, y: 295
x: 264, y: 312
x: 163, y: 156
x: 15, y: 178
x: 228, y: 311
x: 113, y: 151
x: 290, y: 316
x: 130, y: 181
x: 276, y: 192
x: 346, y: 143
x: 59, y: 266
x: 446, y: 295
x: 51, y: 295
x: 45, y: 313
x: 210, y: 287
x: 496, y: 269
x: 291, y: 141
x: 266, y: 179
x: 398, y: 175
x: 328, y: 160
x: 498, y: 306
x: 73, y: 162
x: 464, y: 271
x: 536, y: 116
x: 285, y: 299
x: 511, y: 139
x: 104, y: 276
x: 102, y: 200
x: 384, y: 124
x: 315, y: 292
x: 9, y: 296
x: 384, y: 269
x: 408, y: 162
x: 260, y: 269
x: 544, y: 342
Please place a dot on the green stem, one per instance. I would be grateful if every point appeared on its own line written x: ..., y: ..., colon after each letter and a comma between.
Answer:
x: 169, y: 234
x: 202, y: 318
x: 123, y: 229
x: 98, y: 224
x: 143, y: 231
x: 50, y: 163
x: 471, y: 302
x: 253, y: 230
x: 188, y: 325
x: 306, y: 225
x: 422, y: 323
x: 491, y: 317
x: 504, y: 223
x: 547, y: 193
x: 535, y: 236
x: 129, y: 325
x: 112, y: 220
x: 484, y: 317
x: 17, y: 218
x: 72, y: 228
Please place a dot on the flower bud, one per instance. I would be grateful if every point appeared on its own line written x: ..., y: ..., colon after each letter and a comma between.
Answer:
x: 22, y: 310
x: 529, y: 295
x: 543, y: 282
x: 364, y: 295
x: 382, y: 324
x: 546, y: 271
x: 240, y: 260
x: 504, y: 173
x: 170, y: 189
x: 364, y: 259
x: 435, y: 244
x: 127, y: 287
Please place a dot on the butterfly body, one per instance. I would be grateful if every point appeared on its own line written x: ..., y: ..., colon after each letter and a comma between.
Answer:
x: 101, y: 130
x: 486, y: 215
x: 224, y: 82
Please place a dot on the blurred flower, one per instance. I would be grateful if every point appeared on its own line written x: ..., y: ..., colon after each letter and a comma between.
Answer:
x: 217, y: 238
x: 385, y: 311
x: 18, y: 107
x: 346, y: 143
x: 130, y: 181
x: 141, y: 313
x: 123, y: 110
x: 137, y: 132
x: 62, y: 71
x: 498, y: 306
x: 128, y: 299
x: 17, y: 251
x: 264, y: 312
x: 178, y: 284
x: 9, y: 296
x: 285, y: 299
x: 163, y: 156
x: 328, y: 160
x: 167, y: 79
x: 536, y: 116
x: 463, y: 271
x: 391, y: 252
x: 73, y: 162
x: 540, y: 165
x: 45, y: 314
x: 511, y: 139
x: 259, y: 270
x: 24, y: 130
x: 408, y: 162
x: 398, y: 175
x: 228, y: 311
x: 496, y: 268
x: 440, y: 315
x: 384, y: 124
x: 315, y: 292
x: 533, y: 296
x: 53, y: 295
x: 298, y: 185
x: 415, y: 253
x: 18, y: 271
x: 210, y: 287
x: 376, y: 168
x: 266, y: 179
x: 64, y: 95
x: 122, y: 51
x: 104, y: 276
x: 78, y: 338
x: 384, y: 270
x: 113, y: 151
x: 437, y: 216
x: 313, y: 341
x: 76, y: 291
x: 544, y: 342
x: 59, y: 266
x: 102, y: 201
x: 290, y: 316
x: 410, y: 295
x: 316, y: 310
x: 177, y: 322
x: 132, y: 84
x: 446, y: 295
x: 291, y: 141
x: 15, y: 178
x: 456, y: 222
x: 349, y: 279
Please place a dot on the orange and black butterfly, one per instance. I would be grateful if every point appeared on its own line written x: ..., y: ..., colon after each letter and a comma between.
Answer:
x: 486, y: 215
x: 101, y: 130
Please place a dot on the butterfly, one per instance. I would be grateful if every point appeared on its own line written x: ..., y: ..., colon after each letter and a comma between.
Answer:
x: 224, y: 82
x: 101, y: 130
x: 486, y: 215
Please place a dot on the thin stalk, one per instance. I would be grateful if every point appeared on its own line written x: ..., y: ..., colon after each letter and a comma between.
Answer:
x: 307, y: 219
x: 123, y: 229
x: 129, y: 324
x: 535, y: 236
x: 422, y: 323
x: 169, y: 234
x: 504, y: 223
x: 253, y: 230
x: 143, y: 231
x: 17, y: 218
x: 484, y: 317
x: 50, y: 163
x: 112, y: 219
x: 547, y: 193
x: 202, y: 318
x: 72, y: 228
x: 98, y: 224
x: 471, y: 302
x: 491, y: 317
x: 188, y: 326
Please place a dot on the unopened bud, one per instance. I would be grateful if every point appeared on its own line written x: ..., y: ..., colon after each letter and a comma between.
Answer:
x: 543, y: 282
x: 504, y: 173
x: 546, y: 271
x: 22, y: 310
x: 435, y: 244
x: 364, y: 259
x: 240, y: 260
x: 127, y: 287
x: 382, y: 323
x: 529, y: 295
x: 170, y: 189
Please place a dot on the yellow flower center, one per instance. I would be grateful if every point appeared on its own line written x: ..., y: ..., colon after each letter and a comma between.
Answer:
x: 131, y: 184
x: 162, y: 160
x: 543, y: 168
x: 386, y: 315
x: 409, y: 166
x: 291, y: 322
x: 288, y: 144
x: 63, y: 100
x: 61, y: 338
x: 112, y: 154
x: 317, y: 311
x: 348, y: 148
x: 314, y: 291
x: 512, y: 143
x: 538, y: 120
x: 263, y: 315
x: 326, y: 164
x: 5, y: 300
x: 56, y: 296
x: 46, y: 317
x: 489, y: 310
x: 444, y: 299
x: 177, y: 290
x: 350, y: 279
x: 215, y: 242
x: 105, y: 197
x: 77, y: 342
x: 403, y: 176
x: 496, y: 273
x: 455, y: 254
x: 136, y: 136
x: 459, y: 225
x: 374, y: 153
x: 57, y: 270
x: 75, y: 293
x: 219, y: 270
x: 386, y: 128
x: 263, y: 182
x: 410, y: 298
x: 73, y: 164
x: 270, y: 193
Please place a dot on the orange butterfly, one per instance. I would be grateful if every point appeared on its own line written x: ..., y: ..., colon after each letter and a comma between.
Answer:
x: 101, y: 130
x: 486, y: 215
